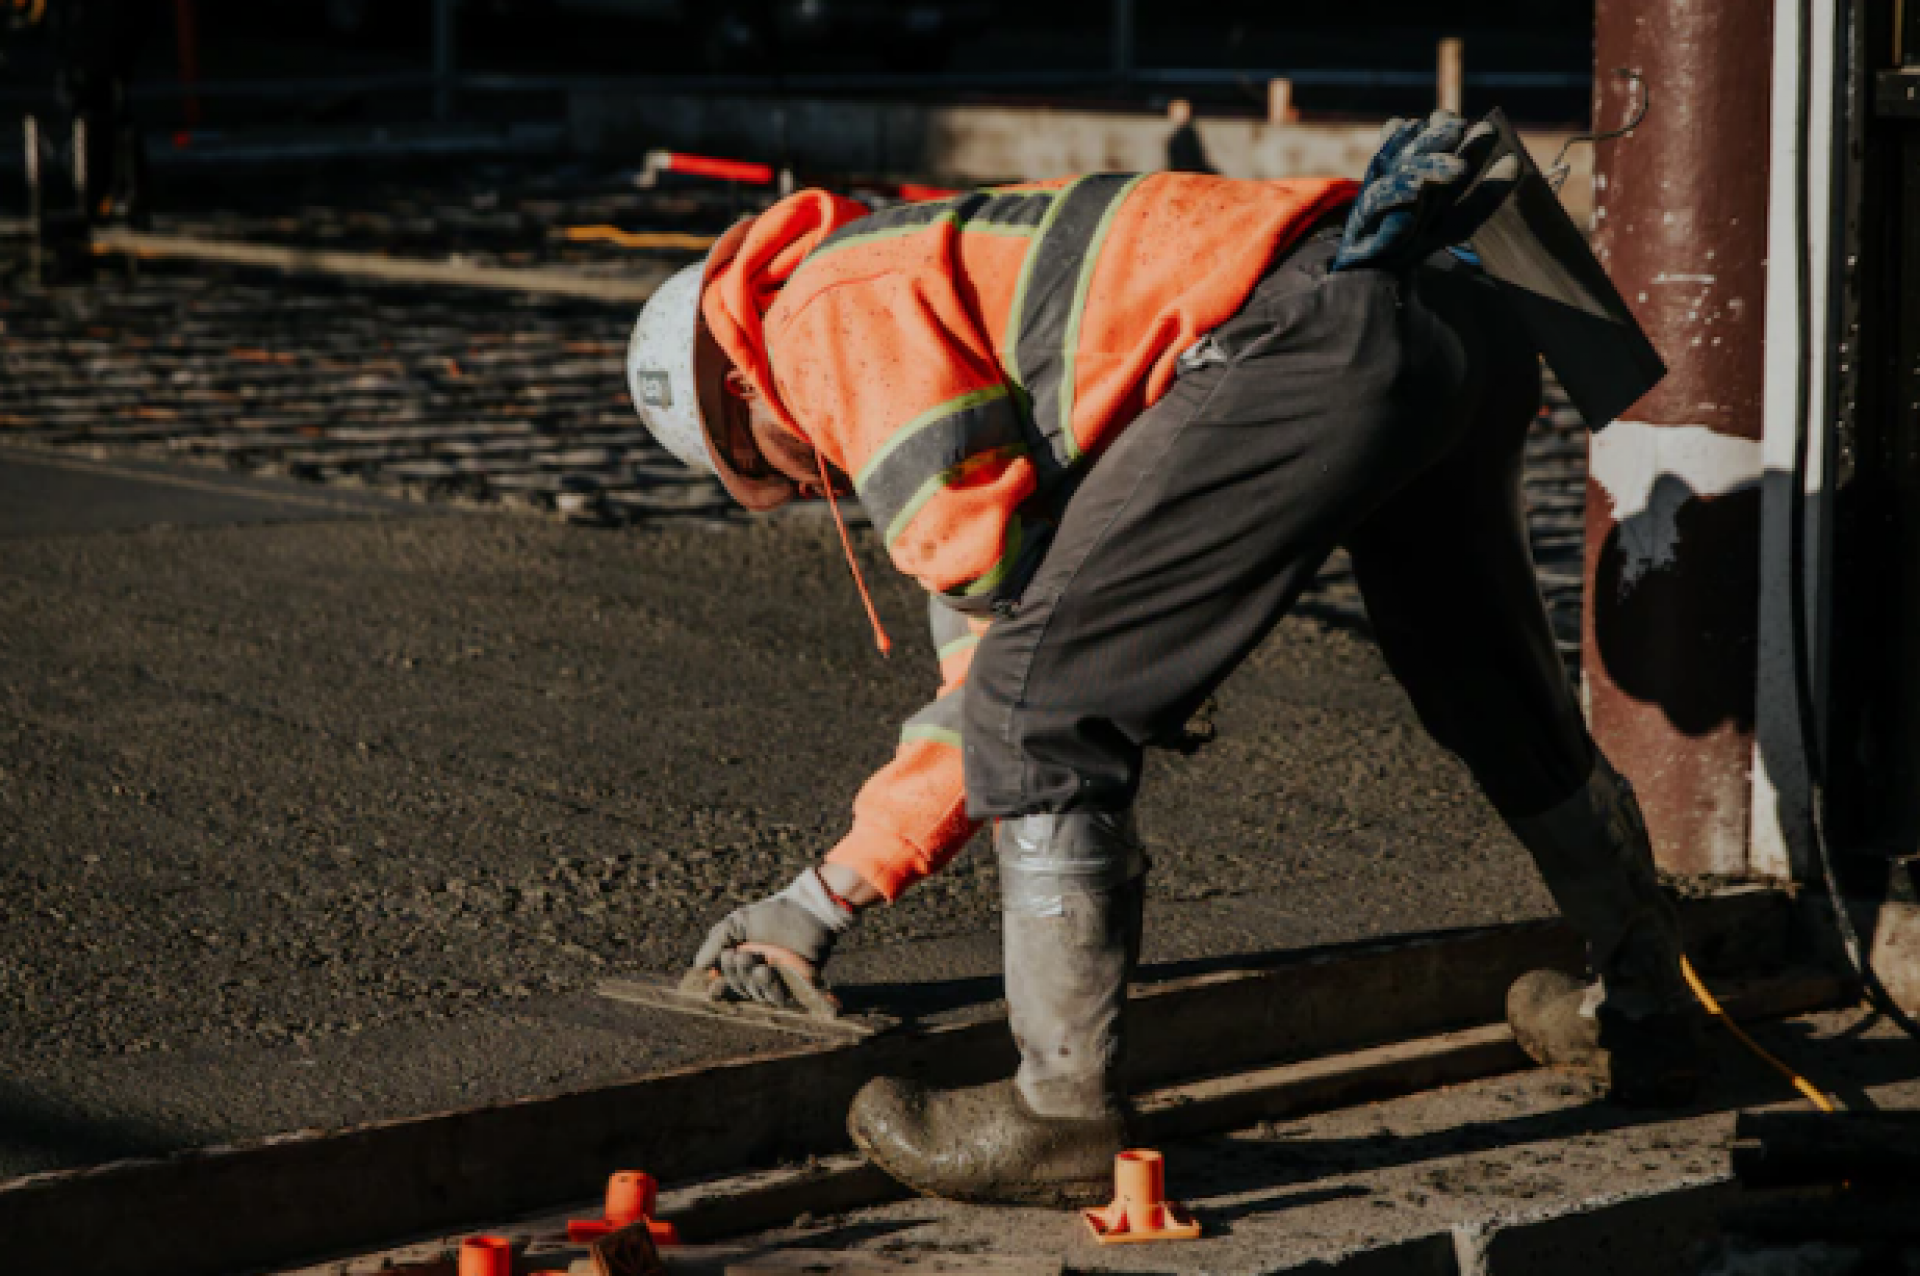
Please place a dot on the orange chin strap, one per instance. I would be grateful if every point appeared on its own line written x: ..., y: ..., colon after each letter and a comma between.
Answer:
x: 880, y: 639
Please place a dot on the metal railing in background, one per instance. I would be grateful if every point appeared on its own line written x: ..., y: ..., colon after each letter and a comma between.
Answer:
x: 490, y: 82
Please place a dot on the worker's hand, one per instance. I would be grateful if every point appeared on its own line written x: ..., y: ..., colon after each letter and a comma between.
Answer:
x: 794, y: 929
x: 1429, y: 187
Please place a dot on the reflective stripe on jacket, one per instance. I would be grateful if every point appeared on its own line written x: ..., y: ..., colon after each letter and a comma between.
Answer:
x: 961, y: 360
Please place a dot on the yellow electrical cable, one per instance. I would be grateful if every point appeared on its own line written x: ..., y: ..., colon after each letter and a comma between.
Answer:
x: 1813, y: 1093
x: 637, y: 239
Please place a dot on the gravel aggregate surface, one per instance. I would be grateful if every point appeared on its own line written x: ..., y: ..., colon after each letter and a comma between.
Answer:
x: 309, y: 824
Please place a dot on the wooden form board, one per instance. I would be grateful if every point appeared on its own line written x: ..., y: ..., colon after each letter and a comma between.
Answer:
x: 836, y: 1184
x: 728, y: 1212
x: 800, y: 1262
x: 635, y: 285
x: 223, y: 1209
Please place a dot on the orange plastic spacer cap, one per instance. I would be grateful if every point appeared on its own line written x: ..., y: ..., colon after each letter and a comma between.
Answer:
x: 486, y: 1256
x: 587, y: 1230
x: 1140, y: 1209
x: 631, y: 1196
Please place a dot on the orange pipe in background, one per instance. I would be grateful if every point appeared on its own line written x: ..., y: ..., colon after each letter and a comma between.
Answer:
x: 638, y: 239
x: 710, y: 166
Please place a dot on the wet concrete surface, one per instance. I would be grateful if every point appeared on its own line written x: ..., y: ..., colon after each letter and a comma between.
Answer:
x: 308, y: 824
x: 46, y: 494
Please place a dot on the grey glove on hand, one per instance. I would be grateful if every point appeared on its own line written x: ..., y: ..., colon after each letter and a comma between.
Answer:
x: 805, y: 919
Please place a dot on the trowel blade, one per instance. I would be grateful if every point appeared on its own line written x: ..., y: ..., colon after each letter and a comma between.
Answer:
x: 694, y: 995
x: 1563, y: 295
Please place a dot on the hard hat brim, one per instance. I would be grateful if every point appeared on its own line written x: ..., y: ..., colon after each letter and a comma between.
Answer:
x: 756, y: 492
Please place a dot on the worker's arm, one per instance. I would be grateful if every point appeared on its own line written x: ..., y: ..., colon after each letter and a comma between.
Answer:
x: 909, y: 820
x: 911, y: 817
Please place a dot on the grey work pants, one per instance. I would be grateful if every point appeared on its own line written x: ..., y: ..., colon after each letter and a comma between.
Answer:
x: 1384, y: 412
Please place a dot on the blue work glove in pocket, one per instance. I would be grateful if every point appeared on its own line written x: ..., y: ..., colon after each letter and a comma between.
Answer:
x: 1429, y: 186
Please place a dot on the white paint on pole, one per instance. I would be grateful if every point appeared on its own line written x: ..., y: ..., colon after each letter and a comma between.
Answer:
x: 1780, y: 843
x: 1651, y: 472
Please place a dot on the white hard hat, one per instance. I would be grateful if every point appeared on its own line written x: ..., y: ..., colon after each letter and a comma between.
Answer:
x: 674, y: 373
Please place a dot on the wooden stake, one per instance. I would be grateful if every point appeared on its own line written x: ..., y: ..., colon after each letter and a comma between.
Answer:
x: 1453, y: 74
x: 1280, y: 108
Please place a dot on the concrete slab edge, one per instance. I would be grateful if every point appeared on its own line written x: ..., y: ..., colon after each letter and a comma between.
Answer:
x: 217, y: 1210
x: 1607, y: 1236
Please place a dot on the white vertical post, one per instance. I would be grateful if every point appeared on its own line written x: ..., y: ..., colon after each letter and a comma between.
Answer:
x: 1280, y: 102
x: 1797, y: 328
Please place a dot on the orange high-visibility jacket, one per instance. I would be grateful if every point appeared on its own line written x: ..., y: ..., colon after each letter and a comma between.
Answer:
x: 960, y: 359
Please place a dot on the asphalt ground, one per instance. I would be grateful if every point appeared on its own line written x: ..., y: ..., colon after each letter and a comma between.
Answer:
x: 320, y: 807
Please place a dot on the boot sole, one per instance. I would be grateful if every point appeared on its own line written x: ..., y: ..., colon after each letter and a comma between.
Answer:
x: 1677, y: 1089
x: 1069, y: 1195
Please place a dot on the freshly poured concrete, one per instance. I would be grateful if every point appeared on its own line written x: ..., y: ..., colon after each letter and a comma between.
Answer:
x: 303, y: 825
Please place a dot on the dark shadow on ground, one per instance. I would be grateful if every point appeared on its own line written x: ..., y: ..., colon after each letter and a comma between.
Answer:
x: 34, y: 1129
x: 1740, y: 1081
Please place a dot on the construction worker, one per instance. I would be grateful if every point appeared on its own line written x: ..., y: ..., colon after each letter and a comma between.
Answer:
x: 1114, y: 425
x: 89, y: 142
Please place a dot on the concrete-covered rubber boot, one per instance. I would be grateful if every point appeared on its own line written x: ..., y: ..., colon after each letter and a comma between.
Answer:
x: 1072, y: 891
x: 984, y: 1144
x: 1636, y: 1031
x: 1649, y: 1062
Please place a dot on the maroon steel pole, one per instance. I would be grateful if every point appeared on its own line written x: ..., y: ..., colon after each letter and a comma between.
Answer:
x: 1673, y: 502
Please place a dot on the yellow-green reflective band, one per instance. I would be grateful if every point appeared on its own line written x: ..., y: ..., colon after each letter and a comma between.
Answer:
x: 938, y: 412
x: 939, y: 482
x: 1017, y: 319
x: 1009, y: 555
x: 1043, y: 324
x: 835, y: 243
x: 1071, y: 341
x: 976, y: 212
x: 931, y: 735
x: 959, y: 645
x: 937, y: 720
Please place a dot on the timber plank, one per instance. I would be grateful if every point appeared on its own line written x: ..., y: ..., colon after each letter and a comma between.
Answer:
x: 637, y: 284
